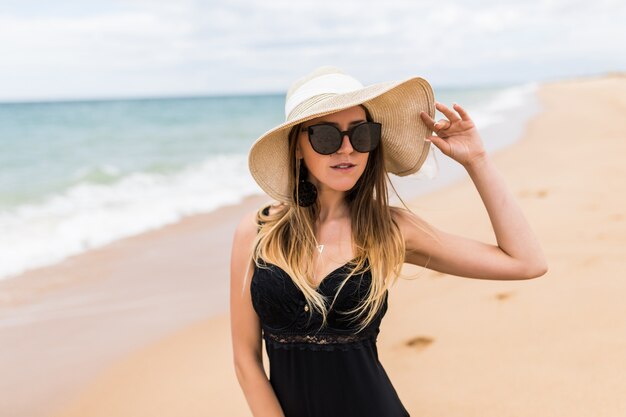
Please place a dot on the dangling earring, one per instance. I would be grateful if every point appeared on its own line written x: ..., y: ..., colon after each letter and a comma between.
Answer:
x: 305, y: 193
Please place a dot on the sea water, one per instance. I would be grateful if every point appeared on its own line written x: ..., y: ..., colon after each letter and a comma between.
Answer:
x: 77, y: 175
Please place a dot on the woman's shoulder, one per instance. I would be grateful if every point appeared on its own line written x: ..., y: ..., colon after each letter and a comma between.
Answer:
x: 408, y: 220
x: 270, y: 209
x: 252, y: 219
x: 398, y: 213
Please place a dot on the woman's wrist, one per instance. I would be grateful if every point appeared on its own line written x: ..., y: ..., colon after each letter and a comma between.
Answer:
x: 476, y: 161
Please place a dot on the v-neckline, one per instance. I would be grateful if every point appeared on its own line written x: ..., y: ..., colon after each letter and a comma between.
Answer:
x: 319, y: 285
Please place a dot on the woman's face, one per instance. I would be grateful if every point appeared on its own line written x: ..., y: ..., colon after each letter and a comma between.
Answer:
x: 322, y: 171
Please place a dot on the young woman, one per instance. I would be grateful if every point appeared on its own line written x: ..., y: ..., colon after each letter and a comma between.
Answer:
x: 310, y: 274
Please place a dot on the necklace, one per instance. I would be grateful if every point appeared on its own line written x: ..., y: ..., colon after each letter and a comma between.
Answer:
x: 320, y: 248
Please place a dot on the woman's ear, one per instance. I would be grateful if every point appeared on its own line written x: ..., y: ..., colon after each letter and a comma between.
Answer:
x: 298, y: 152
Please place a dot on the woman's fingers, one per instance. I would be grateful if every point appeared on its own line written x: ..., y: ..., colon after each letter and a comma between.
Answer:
x: 442, y: 144
x: 452, y: 116
x: 441, y: 125
x: 461, y: 112
x: 441, y: 128
x: 428, y: 121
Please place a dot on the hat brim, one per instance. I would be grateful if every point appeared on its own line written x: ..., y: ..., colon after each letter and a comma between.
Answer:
x: 396, y: 105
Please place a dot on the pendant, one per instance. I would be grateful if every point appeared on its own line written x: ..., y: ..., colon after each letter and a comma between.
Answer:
x: 320, y: 248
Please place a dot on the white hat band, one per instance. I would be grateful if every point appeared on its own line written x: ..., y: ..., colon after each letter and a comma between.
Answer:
x: 324, y: 84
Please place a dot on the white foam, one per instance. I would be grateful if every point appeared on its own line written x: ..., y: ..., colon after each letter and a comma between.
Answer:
x: 495, y: 110
x: 87, y: 215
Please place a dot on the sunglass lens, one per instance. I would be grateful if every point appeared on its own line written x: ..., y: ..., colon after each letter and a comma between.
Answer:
x: 325, y: 139
x: 366, y: 136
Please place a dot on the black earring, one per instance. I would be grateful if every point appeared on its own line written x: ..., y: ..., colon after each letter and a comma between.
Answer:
x: 305, y: 193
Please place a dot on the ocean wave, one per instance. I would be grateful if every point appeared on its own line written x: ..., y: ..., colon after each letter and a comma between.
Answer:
x: 99, y: 174
x: 496, y: 109
x: 91, y: 214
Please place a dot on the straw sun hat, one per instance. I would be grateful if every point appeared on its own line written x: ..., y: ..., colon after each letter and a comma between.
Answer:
x: 395, y: 104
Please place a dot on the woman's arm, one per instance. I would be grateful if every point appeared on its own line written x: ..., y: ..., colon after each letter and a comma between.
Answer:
x: 517, y: 255
x: 246, y: 328
x: 513, y: 234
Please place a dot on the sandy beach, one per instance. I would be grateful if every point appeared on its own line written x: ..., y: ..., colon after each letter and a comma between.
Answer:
x: 126, y: 330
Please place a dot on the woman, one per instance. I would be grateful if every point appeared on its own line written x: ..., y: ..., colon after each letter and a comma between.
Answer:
x: 310, y: 274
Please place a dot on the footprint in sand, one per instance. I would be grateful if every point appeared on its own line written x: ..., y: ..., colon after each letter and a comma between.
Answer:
x: 542, y: 193
x: 589, y: 261
x: 501, y: 296
x: 419, y: 342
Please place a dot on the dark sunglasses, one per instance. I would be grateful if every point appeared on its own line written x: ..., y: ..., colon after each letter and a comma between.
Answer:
x: 326, y: 139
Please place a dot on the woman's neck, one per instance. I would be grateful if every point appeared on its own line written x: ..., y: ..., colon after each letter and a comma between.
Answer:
x: 333, y: 206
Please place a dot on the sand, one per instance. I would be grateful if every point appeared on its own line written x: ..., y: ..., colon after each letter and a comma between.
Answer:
x: 124, y: 331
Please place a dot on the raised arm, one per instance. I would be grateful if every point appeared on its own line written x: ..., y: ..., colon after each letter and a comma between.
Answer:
x: 245, y: 326
x: 517, y: 255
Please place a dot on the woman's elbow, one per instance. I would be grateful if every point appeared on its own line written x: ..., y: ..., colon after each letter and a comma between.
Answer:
x: 536, y: 270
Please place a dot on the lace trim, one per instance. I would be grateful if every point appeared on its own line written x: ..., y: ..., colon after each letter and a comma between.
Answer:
x: 327, y: 342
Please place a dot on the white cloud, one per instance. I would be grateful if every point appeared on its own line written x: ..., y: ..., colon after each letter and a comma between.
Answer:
x: 143, y: 47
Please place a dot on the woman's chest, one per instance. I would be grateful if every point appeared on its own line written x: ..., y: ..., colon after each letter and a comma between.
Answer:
x: 281, y: 305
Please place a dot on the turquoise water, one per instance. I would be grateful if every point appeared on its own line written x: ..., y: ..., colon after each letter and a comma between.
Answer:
x: 50, y: 147
x: 77, y: 175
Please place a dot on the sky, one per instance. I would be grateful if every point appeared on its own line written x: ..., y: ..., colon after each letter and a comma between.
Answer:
x: 70, y: 49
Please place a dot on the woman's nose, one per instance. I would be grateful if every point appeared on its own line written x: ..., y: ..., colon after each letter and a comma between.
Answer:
x: 346, y: 146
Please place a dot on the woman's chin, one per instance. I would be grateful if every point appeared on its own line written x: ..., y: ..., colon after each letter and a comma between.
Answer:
x: 343, y: 186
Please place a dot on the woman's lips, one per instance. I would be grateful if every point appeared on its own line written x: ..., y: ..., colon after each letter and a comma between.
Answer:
x: 343, y: 167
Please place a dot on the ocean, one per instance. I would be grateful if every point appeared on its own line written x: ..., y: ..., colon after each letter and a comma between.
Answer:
x: 77, y: 175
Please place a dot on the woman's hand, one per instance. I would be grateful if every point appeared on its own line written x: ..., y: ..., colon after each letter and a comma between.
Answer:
x: 456, y: 136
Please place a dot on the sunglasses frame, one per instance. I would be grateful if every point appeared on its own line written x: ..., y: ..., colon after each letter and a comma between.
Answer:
x: 348, y: 132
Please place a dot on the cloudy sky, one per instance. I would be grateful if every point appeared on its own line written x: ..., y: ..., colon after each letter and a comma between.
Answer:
x: 138, y: 48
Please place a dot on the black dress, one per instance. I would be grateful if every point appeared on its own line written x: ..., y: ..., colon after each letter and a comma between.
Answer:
x: 332, y: 372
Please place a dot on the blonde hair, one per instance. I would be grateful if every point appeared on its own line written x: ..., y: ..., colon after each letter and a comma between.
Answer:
x: 287, y: 239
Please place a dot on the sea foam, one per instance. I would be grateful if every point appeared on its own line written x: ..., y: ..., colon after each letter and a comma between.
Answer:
x: 89, y: 215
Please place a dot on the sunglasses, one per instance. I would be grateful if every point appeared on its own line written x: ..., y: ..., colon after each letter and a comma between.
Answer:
x: 327, y: 139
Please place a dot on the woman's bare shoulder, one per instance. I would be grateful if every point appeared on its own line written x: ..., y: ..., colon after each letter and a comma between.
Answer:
x: 399, y: 214
x: 249, y: 223
x: 408, y: 220
x: 275, y: 207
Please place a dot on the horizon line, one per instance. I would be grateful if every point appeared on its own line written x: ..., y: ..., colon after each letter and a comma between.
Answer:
x: 218, y: 95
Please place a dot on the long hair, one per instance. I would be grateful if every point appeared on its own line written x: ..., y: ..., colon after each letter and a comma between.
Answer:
x: 287, y: 239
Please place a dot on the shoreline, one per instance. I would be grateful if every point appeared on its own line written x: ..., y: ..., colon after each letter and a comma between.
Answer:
x: 461, y: 328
